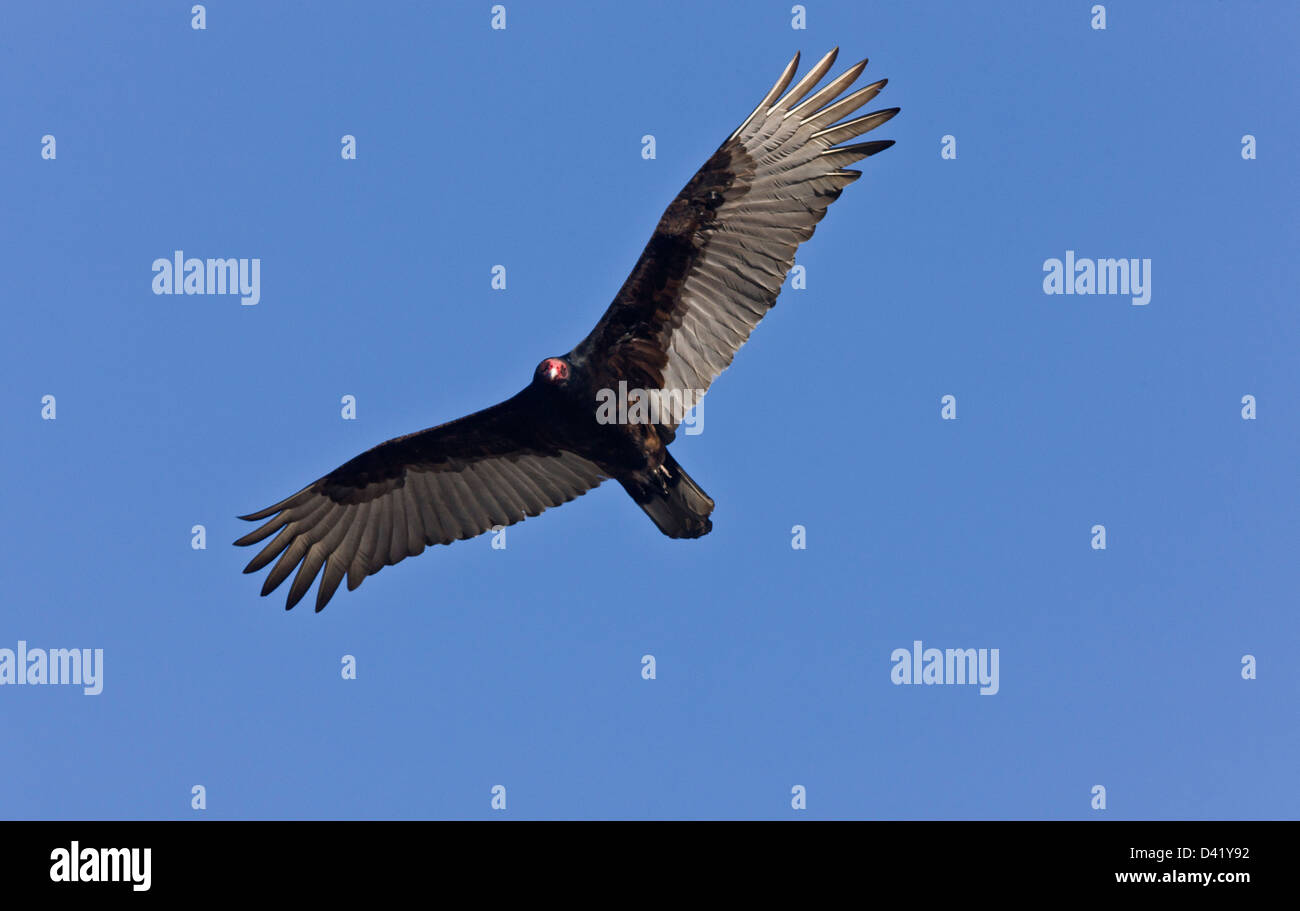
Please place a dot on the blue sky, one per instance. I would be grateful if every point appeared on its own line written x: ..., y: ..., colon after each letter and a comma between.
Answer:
x: 521, y: 667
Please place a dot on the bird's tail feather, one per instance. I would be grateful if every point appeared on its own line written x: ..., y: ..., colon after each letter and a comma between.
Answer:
x: 677, y: 505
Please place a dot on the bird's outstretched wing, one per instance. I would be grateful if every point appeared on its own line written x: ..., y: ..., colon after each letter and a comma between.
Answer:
x: 455, y: 481
x: 721, y: 251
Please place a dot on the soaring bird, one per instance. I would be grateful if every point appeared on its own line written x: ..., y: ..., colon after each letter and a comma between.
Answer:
x: 712, y: 269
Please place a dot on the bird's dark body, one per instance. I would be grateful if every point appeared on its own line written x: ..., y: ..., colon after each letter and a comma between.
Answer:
x: 622, y: 451
x: 713, y: 267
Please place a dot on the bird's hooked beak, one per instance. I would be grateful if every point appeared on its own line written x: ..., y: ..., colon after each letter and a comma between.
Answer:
x: 555, y: 370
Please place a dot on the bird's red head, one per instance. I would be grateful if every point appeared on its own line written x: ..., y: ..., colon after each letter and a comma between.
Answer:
x: 553, y: 370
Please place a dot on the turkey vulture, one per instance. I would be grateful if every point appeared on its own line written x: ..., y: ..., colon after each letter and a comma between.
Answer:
x: 713, y: 268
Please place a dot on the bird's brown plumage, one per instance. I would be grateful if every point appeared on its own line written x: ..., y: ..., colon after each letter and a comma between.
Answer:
x: 440, y: 485
x: 723, y: 247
